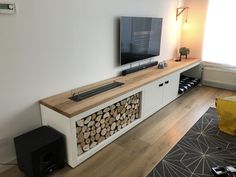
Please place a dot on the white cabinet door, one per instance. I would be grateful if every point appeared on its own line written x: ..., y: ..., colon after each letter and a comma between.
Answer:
x: 171, y: 86
x: 152, y: 97
x: 159, y: 93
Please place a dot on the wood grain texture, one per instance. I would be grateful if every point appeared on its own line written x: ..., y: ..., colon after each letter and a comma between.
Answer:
x: 62, y: 104
x: 87, y: 131
x: 136, y: 152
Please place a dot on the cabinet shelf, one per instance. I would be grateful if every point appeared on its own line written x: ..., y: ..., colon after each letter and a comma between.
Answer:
x: 187, y: 83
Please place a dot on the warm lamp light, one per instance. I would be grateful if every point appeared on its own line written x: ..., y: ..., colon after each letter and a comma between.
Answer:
x: 185, y: 25
x: 179, y: 11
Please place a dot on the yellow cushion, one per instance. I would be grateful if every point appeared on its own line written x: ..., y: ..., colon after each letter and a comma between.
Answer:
x: 226, y: 108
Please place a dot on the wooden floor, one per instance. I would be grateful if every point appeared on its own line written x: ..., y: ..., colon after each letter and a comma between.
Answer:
x: 135, y: 153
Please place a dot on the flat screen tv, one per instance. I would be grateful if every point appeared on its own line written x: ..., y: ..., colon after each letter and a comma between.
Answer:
x: 140, y: 38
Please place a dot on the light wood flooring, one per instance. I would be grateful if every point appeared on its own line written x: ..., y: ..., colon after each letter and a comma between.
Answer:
x: 136, y: 152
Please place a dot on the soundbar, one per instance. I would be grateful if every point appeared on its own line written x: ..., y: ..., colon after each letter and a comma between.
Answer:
x: 138, y: 68
x: 82, y: 96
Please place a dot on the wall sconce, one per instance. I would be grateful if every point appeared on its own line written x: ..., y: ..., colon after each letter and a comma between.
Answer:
x: 179, y: 11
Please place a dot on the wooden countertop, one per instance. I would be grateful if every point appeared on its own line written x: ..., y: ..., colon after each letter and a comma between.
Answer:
x: 62, y: 104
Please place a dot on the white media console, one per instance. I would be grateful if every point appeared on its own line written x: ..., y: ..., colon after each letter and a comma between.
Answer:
x: 92, y: 123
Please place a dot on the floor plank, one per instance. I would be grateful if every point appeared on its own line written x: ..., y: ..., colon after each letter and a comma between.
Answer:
x: 139, y: 150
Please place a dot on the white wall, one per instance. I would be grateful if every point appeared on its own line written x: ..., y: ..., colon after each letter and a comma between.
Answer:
x: 49, y: 47
x: 193, y: 37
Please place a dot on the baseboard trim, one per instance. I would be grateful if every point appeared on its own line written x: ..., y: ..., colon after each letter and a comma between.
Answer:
x: 6, y: 167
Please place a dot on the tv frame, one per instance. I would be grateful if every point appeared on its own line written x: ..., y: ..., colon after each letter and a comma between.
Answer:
x: 158, y: 35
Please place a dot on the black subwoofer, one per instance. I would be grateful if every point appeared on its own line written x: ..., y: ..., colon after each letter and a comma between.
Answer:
x: 40, y: 151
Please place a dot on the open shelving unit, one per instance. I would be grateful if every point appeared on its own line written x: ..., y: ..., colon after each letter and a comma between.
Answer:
x: 186, y: 83
x: 189, y: 79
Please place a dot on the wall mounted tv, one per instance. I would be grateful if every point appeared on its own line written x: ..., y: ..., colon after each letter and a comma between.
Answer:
x: 140, y: 38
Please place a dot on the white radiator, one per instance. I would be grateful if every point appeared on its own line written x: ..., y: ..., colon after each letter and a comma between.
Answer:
x: 221, y: 77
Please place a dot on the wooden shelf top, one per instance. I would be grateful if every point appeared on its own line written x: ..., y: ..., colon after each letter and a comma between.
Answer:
x: 62, y: 104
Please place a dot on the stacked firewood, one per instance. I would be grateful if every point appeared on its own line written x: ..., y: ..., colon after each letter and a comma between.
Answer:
x: 99, y: 126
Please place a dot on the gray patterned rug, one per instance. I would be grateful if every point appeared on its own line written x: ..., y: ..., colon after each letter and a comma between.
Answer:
x: 201, y: 148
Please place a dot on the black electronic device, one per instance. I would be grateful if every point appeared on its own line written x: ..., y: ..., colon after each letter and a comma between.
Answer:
x: 40, y: 151
x: 87, y: 94
x: 228, y: 171
x: 138, y: 68
x: 219, y: 171
x: 140, y: 38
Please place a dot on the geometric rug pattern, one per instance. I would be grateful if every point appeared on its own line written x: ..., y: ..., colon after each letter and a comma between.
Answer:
x: 201, y: 148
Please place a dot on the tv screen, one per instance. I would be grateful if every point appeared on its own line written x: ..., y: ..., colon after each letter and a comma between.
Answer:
x: 140, y: 38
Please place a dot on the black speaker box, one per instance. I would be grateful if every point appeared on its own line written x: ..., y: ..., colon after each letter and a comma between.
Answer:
x: 40, y: 151
x: 138, y: 68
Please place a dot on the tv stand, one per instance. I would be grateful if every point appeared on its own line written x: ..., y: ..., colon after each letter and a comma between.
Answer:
x: 93, y: 123
x: 138, y: 68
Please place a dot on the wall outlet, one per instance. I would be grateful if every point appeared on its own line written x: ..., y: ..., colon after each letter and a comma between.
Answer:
x: 7, y: 7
